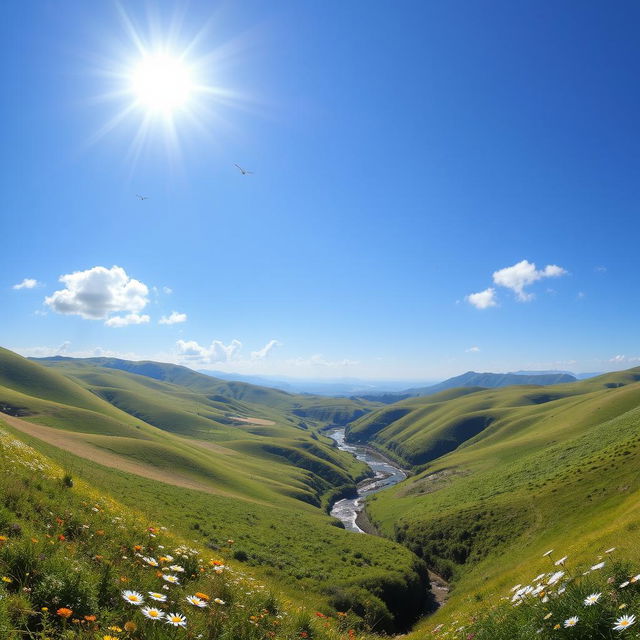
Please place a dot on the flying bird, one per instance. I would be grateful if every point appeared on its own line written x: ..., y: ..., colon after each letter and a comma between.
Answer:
x: 142, y: 197
x: 244, y: 172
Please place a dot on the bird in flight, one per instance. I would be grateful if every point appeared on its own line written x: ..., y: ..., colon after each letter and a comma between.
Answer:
x: 244, y: 172
x: 142, y: 197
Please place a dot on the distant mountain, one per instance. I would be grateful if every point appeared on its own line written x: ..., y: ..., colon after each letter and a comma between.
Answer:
x: 335, y: 387
x: 491, y: 381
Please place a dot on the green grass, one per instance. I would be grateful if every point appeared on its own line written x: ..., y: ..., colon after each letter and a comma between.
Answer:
x: 556, y: 467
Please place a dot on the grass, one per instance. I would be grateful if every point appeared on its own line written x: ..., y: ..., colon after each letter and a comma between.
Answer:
x: 555, y: 468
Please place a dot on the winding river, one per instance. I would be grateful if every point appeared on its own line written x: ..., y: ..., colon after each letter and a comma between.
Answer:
x: 386, y: 475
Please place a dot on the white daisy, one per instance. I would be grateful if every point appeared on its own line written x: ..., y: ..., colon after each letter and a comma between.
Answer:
x: 171, y: 579
x: 159, y: 597
x: 592, y: 599
x: 196, y: 602
x: 176, y: 620
x: 152, y: 613
x: 571, y: 622
x: 555, y: 577
x: 177, y: 568
x: 597, y: 566
x: 624, y: 584
x: 542, y: 575
x: 610, y: 550
x: 219, y: 601
x: 133, y: 597
x: 151, y: 561
x: 561, y: 561
x: 622, y: 623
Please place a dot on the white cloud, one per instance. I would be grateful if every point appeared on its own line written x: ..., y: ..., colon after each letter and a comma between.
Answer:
x: 618, y: 358
x: 522, y: 274
x: 261, y: 354
x: 216, y: 352
x: 99, y: 292
x: 27, y: 283
x: 601, y: 269
x: 65, y: 349
x: 483, y: 299
x: 167, y: 290
x: 123, y: 321
x: 472, y: 350
x: 174, y: 318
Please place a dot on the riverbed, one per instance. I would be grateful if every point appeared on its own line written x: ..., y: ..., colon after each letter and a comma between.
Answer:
x: 386, y: 474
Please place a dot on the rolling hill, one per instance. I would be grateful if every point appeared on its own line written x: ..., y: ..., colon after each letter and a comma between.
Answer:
x: 503, y: 475
x: 214, y: 462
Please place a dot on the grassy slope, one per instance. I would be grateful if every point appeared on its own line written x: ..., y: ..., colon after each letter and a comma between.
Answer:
x: 555, y: 468
x: 269, y: 478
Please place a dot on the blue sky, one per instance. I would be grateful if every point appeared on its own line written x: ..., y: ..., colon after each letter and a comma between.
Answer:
x: 403, y: 153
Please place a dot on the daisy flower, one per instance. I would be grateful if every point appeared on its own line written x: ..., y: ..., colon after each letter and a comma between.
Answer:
x: 159, y: 597
x: 571, y: 622
x: 542, y: 575
x: 610, y: 550
x: 170, y: 578
x: 176, y: 620
x: 555, y: 577
x: 592, y: 599
x: 177, y: 568
x: 624, y: 584
x: 597, y: 566
x: 548, y: 553
x: 622, y: 623
x: 152, y: 613
x: 133, y: 597
x: 635, y: 578
x: 219, y: 601
x: 196, y: 602
x: 150, y: 561
x: 561, y: 561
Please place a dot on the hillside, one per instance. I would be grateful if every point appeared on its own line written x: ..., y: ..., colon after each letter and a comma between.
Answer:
x: 492, y: 381
x: 503, y: 475
x: 215, y: 467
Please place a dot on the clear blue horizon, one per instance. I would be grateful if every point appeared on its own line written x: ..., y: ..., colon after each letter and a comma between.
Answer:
x: 437, y: 187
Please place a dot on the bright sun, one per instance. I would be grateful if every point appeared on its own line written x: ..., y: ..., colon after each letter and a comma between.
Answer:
x: 162, y: 83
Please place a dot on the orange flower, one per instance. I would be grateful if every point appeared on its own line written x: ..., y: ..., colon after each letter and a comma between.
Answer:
x: 202, y: 596
x: 130, y: 626
x: 100, y: 532
x: 3, y: 539
x: 34, y: 540
x: 65, y: 613
x: 90, y: 618
x: 61, y: 538
x: 137, y: 547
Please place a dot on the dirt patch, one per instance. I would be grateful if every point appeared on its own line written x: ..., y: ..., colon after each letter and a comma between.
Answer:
x: 431, y: 483
x: 262, y: 421
x: 73, y: 443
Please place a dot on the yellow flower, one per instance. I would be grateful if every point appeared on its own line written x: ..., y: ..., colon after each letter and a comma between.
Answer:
x: 5, y: 579
x: 130, y: 626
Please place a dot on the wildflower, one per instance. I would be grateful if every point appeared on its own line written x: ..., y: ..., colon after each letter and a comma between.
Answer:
x: 151, y: 561
x: 623, y: 606
x: 130, y: 626
x: 152, y: 613
x: 176, y: 620
x: 555, y: 577
x: 561, y: 561
x: 3, y: 539
x: 542, y: 575
x: 109, y: 638
x: 202, y: 596
x: 610, y: 550
x: 219, y: 601
x: 624, y: 584
x: 548, y: 553
x: 177, y: 568
x: 622, y: 623
x: 635, y: 578
x: 7, y: 580
x: 133, y: 597
x: 196, y: 602
x: 159, y: 597
x: 547, y: 616
x: 90, y: 618
x: 597, y: 566
x: 571, y: 622
x: 592, y: 599
x: 556, y: 626
x: 114, y: 628
x: 171, y: 579
x: 65, y: 613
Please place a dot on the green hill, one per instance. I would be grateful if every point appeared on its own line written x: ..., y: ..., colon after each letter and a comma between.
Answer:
x: 503, y: 475
x: 217, y: 466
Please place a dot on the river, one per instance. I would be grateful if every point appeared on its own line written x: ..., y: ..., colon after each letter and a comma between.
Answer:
x: 386, y: 475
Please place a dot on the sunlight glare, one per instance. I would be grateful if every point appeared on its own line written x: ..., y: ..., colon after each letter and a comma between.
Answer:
x: 162, y: 83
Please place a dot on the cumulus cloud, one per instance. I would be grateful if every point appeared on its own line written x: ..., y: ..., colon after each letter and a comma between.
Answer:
x: 99, y: 292
x: 123, y: 321
x: 216, y: 352
x: 27, y: 283
x: 261, y: 354
x: 483, y: 299
x: 522, y: 274
x: 472, y: 350
x: 173, y: 318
